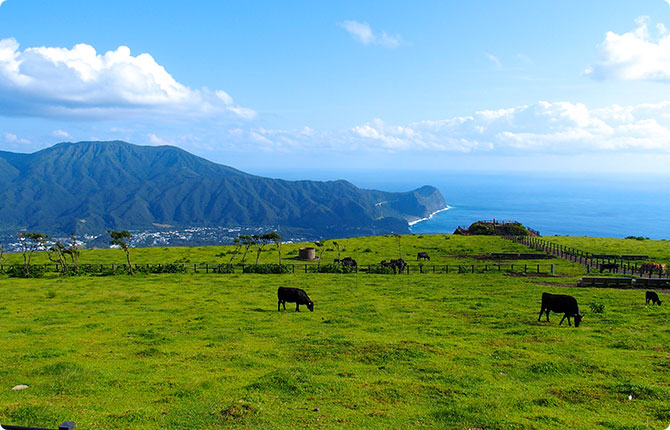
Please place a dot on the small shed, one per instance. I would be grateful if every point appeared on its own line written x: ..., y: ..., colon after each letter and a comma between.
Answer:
x: 308, y: 254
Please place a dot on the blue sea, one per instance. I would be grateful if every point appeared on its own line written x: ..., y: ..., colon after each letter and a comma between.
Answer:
x: 595, y: 205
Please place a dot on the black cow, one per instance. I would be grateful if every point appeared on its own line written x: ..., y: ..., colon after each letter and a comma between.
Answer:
x: 293, y: 295
x: 347, y: 261
x: 422, y: 256
x: 398, y: 265
x: 609, y: 266
x: 561, y: 303
x: 653, y: 297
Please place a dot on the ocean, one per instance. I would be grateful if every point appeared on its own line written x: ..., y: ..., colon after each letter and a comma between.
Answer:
x: 596, y: 206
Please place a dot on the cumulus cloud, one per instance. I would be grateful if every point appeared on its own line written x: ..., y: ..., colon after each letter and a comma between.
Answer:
x: 12, y: 138
x: 636, y: 55
x: 362, y: 32
x: 1, y: 2
x: 79, y: 82
x: 60, y: 133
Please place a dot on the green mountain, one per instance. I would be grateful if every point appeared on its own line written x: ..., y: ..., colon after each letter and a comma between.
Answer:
x: 87, y: 187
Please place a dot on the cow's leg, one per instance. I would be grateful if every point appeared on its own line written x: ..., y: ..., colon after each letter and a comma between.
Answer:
x: 284, y: 304
x: 564, y: 316
x: 548, y: 310
x: 297, y: 307
x: 278, y: 305
x: 540, y: 316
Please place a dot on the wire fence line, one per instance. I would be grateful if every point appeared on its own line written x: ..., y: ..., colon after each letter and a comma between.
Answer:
x: 292, y: 268
x: 623, y: 264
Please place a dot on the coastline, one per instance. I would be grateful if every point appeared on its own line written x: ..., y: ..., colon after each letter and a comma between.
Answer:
x: 411, y: 223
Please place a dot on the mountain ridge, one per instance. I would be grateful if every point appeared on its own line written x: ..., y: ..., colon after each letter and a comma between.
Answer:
x: 87, y: 187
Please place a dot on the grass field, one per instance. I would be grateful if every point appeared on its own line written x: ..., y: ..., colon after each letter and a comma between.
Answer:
x: 657, y: 250
x: 379, y: 351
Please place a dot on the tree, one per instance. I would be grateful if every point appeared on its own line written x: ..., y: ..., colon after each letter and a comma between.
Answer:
x: 338, y: 249
x: 59, y: 250
x: 276, y: 238
x: 121, y: 238
x: 58, y: 253
x: 238, y: 245
x: 2, y: 252
x: 31, y: 242
x: 260, y: 242
x: 397, y: 236
x: 247, y: 241
x: 322, y: 247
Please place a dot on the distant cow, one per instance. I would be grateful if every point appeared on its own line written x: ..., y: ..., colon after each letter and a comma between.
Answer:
x: 293, y: 295
x: 422, y: 256
x: 398, y: 265
x: 653, y: 297
x: 651, y: 268
x: 609, y: 266
x: 561, y: 303
x: 346, y: 261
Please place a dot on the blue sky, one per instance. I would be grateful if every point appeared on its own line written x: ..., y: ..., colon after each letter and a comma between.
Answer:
x: 567, y: 86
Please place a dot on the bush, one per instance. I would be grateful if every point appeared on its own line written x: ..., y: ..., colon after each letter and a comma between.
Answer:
x: 482, y: 228
x: 597, y: 307
x: 332, y: 268
x: 381, y: 270
x: 266, y: 269
x: 19, y: 271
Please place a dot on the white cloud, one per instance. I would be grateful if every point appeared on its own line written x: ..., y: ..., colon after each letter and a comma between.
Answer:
x: 362, y: 32
x: 155, y: 140
x: 79, y: 82
x: 495, y: 60
x: 635, y: 55
x: 1, y: 2
x: 60, y: 133
x: 12, y: 138
x: 543, y: 127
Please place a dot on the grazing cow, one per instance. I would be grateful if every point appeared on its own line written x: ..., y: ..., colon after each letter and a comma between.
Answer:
x: 609, y: 266
x: 293, y: 295
x: 347, y: 261
x: 653, y: 297
x: 398, y: 265
x: 422, y: 256
x: 561, y: 303
x: 651, y: 268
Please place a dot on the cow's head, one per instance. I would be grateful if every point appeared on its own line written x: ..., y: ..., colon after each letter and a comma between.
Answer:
x: 578, y: 319
x: 310, y: 306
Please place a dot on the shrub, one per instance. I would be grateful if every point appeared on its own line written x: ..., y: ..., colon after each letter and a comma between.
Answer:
x: 332, y: 268
x: 19, y: 271
x: 597, y: 307
x: 268, y: 268
x: 381, y: 270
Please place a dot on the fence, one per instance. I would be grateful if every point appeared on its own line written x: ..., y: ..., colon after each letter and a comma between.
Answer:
x: 623, y: 263
x: 112, y: 269
x: 67, y: 425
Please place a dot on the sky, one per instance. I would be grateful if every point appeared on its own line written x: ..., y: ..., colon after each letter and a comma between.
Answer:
x: 564, y: 87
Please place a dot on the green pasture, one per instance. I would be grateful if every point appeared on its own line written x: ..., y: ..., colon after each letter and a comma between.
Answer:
x: 379, y: 351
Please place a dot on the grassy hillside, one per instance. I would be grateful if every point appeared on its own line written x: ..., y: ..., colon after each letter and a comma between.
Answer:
x: 382, y: 351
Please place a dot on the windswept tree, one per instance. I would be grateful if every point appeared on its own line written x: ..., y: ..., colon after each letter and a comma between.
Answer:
x: 260, y: 242
x: 322, y: 247
x: 397, y: 236
x: 247, y: 242
x: 238, y: 245
x: 59, y: 253
x: 122, y: 239
x: 31, y: 242
x: 337, y: 245
x: 275, y: 238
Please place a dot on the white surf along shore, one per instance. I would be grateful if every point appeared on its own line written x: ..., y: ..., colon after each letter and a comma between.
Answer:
x: 411, y: 223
